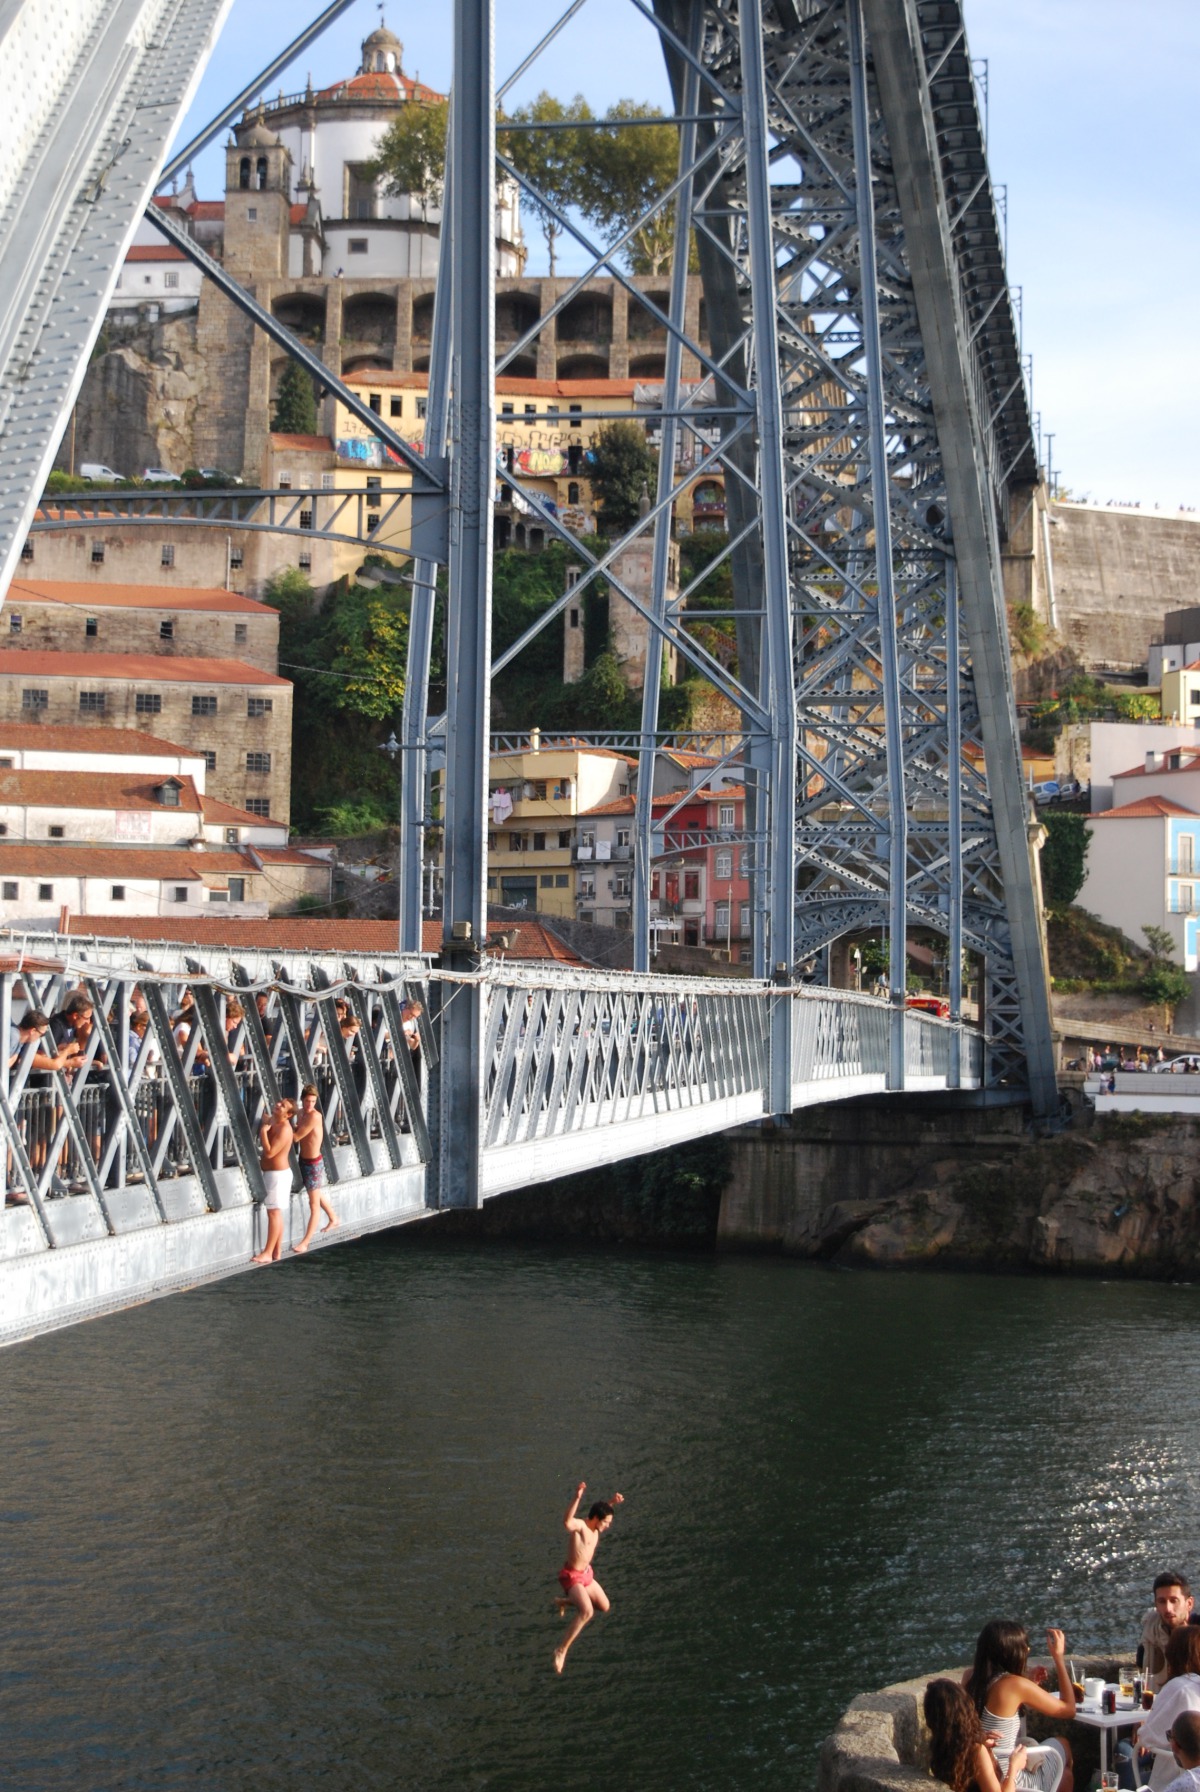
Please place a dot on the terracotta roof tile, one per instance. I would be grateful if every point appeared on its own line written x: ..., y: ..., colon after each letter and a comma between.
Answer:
x: 133, y: 597
x: 95, y: 742
x: 287, y: 935
x: 131, y: 864
x: 1190, y: 756
x: 1146, y: 808
x: 222, y: 814
x: 153, y: 667
x: 94, y: 790
x: 153, y: 252
x: 303, y: 444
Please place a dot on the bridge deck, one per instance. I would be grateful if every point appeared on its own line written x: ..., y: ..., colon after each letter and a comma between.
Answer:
x: 136, y: 1162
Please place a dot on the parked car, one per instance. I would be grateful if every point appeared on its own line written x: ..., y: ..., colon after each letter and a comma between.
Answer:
x: 96, y: 469
x: 220, y: 478
x: 1186, y: 1061
x: 1049, y: 792
x: 930, y: 1005
x: 158, y: 476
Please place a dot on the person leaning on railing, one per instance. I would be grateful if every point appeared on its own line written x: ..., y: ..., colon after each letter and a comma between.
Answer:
x: 31, y: 1029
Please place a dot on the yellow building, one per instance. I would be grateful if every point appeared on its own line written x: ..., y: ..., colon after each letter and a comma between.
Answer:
x: 536, y: 794
x: 1180, y: 700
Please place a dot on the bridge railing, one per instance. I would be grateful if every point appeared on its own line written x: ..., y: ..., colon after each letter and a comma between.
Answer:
x: 155, y: 1118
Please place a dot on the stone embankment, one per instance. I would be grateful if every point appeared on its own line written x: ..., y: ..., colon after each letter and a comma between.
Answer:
x: 881, y: 1743
x: 876, y: 1183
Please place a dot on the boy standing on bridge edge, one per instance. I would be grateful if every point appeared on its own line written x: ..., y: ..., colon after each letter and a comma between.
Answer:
x: 580, y: 1587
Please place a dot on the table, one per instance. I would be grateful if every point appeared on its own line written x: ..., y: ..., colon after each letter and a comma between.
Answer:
x: 1128, y: 1712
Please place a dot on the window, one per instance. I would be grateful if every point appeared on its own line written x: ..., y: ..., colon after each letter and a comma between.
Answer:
x: 374, y: 491
x: 546, y: 880
x: 357, y: 245
x: 14, y: 622
x: 516, y: 843
x: 167, y: 793
x: 622, y: 790
x: 1186, y: 898
x: 237, y: 889
x: 306, y: 519
x: 422, y: 408
x: 236, y: 559
x: 395, y: 406
x: 91, y: 703
x: 258, y: 762
x: 587, y: 914
x: 91, y: 627
x: 691, y: 886
x: 724, y: 866
x: 285, y: 480
x: 170, y: 281
x: 35, y: 699
x: 1187, y: 854
x: 240, y: 634
x: 564, y: 839
x: 725, y: 815
x: 57, y: 833
x: 328, y: 482
x: 305, y: 560
x: 257, y: 805
x: 10, y: 890
x: 231, y: 836
x: 210, y: 761
x: 539, y: 843
x: 721, y: 917
x: 375, y: 400
x: 166, y: 628
x: 745, y: 920
x: 506, y: 410
x: 252, y: 213
x: 622, y: 836
x: 587, y: 886
x: 573, y: 498
x: 45, y: 892
x: 561, y: 881
x: 204, y: 706
x: 97, y: 553
x: 744, y: 862
x: 147, y: 703
x: 491, y: 882
x: 118, y: 893
x: 620, y: 886
x: 179, y: 893
x: 258, y: 706
x: 654, y: 884
x: 576, y: 410
x: 530, y: 413
x: 573, y: 617
x: 27, y: 551
x: 168, y: 555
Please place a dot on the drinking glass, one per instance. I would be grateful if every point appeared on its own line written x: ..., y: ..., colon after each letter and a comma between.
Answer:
x: 1125, y: 1681
x: 1108, y: 1780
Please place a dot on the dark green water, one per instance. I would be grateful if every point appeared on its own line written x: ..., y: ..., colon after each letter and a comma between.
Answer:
x: 301, y: 1530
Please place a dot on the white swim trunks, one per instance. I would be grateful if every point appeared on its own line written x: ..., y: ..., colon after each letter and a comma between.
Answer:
x: 278, y: 1184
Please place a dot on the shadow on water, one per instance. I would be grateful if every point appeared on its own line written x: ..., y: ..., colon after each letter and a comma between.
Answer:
x: 301, y: 1530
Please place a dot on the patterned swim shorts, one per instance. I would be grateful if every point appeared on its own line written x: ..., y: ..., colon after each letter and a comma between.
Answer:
x: 312, y: 1171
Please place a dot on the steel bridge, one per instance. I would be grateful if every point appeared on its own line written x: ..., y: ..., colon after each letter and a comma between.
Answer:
x: 860, y: 392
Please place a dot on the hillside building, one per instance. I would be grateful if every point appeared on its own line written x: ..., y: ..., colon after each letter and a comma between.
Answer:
x: 99, y: 615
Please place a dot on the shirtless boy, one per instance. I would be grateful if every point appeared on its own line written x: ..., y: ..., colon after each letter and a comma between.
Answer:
x: 309, y: 1131
x: 580, y: 1586
x: 275, y: 1138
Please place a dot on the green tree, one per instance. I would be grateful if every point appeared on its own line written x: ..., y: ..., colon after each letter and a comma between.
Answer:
x: 1163, y: 981
x: 1160, y: 944
x: 622, y: 173
x: 1064, y: 856
x: 295, y: 403
x: 552, y: 160
x: 410, y: 156
x: 623, y: 464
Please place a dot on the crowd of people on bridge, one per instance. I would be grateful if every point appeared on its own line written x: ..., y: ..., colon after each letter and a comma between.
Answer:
x: 977, y: 1729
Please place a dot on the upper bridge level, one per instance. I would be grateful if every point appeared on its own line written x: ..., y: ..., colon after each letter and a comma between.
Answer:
x: 133, y: 1166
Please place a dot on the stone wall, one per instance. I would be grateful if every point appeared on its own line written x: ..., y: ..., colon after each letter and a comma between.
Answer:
x: 196, y: 634
x: 1116, y: 575
x: 139, y: 400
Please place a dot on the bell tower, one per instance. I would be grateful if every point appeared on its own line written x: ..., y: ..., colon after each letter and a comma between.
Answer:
x: 258, y: 181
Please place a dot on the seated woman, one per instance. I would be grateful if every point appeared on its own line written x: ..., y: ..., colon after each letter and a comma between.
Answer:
x: 958, y: 1753
x: 1180, y: 1692
x: 1002, y: 1692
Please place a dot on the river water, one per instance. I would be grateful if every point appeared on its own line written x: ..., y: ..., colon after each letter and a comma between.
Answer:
x: 300, y: 1530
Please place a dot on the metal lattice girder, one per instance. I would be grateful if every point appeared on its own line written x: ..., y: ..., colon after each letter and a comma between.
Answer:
x: 904, y: 417
x: 94, y: 91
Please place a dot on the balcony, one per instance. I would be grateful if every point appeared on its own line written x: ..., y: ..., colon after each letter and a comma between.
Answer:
x: 603, y: 853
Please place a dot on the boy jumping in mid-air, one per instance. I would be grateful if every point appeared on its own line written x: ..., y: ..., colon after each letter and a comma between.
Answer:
x: 580, y: 1587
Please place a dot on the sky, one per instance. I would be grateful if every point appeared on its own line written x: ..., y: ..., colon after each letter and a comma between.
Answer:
x: 1092, y: 108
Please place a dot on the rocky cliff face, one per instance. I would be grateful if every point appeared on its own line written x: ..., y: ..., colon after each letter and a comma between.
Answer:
x: 139, y: 400
x: 1118, y: 1195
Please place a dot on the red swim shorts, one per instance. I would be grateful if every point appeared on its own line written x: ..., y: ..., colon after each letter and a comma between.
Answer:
x: 575, y: 1577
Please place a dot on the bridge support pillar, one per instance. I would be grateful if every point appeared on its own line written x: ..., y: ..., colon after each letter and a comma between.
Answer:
x: 472, y: 185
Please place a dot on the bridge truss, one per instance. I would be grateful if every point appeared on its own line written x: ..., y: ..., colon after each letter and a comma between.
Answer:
x: 859, y: 390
